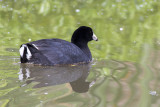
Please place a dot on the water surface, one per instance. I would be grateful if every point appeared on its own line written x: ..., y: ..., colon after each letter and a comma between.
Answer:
x: 126, y: 59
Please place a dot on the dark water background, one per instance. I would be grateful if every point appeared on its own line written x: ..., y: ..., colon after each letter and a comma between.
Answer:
x: 125, y: 71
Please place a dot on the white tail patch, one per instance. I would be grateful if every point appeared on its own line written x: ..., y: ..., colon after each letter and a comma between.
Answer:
x: 21, y: 51
x: 28, y: 54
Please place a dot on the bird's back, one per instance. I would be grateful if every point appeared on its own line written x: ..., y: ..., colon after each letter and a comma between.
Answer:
x: 52, y: 52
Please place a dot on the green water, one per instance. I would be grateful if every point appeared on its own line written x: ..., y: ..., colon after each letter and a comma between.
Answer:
x: 126, y: 65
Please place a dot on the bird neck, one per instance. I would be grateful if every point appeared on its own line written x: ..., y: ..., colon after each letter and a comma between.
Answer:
x: 84, y: 47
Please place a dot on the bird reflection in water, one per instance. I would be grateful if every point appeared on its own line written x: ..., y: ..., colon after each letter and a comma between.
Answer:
x: 49, y: 76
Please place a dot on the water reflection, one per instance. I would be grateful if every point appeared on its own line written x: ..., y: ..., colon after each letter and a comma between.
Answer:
x: 49, y: 76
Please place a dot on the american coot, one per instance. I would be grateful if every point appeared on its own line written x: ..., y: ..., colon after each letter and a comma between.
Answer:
x: 59, y: 52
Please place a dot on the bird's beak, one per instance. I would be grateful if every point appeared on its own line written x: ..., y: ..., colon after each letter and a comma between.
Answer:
x: 94, y: 37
